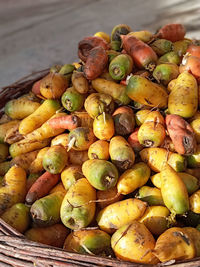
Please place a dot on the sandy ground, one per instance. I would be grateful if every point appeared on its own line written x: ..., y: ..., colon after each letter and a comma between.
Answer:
x: 37, y: 34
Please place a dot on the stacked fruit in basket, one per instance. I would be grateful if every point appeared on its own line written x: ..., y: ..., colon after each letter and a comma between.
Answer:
x: 102, y: 156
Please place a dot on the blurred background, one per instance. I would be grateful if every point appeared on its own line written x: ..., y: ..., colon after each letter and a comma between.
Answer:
x: 37, y: 34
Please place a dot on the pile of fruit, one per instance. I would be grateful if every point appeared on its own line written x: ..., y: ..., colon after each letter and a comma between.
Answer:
x: 103, y: 155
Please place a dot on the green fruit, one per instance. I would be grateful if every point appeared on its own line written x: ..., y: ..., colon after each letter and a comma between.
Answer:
x: 72, y: 100
x: 55, y: 159
x: 101, y: 174
x: 46, y: 211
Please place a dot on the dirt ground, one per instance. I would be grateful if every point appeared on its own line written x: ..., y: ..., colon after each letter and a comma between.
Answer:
x: 37, y: 34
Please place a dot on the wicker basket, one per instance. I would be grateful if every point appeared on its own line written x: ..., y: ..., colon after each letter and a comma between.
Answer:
x: 17, y: 251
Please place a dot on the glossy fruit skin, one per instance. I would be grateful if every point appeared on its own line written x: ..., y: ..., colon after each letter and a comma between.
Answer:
x: 45, y: 131
x: 66, y: 69
x: 141, y: 116
x: 195, y: 236
x: 144, y: 36
x: 171, y: 85
x: 195, y: 126
x: 103, y: 35
x: 193, y: 160
x: 36, y: 165
x: 152, y: 132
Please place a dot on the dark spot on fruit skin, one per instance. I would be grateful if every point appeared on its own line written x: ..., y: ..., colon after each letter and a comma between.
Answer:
x: 94, y: 156
x: 184, y: 237
x: 107, y: 180
x: 5, y: 203
x: 148, y: 102
x: 148, y: 143
x: 86, y: 133
x: 123, y: 234
x: 123, y: 165
x: 188, y: 144
x: 71, y: 221
x: 76, y: 120
x: 112, y: 226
